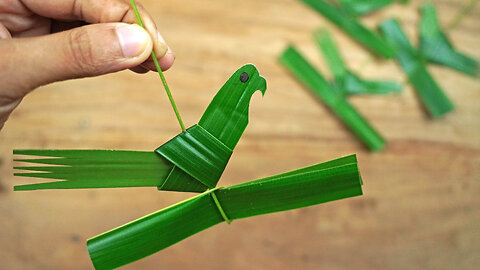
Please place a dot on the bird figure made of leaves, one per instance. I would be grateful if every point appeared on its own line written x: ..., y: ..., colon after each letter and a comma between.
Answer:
x: 192, y: 161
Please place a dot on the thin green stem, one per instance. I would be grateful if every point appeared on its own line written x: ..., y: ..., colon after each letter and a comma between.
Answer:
x: 461, y: 14
x: 159, y: 69
x: 219, y: 206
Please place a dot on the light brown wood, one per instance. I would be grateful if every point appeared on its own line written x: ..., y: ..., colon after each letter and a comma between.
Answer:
x: 421, y: 208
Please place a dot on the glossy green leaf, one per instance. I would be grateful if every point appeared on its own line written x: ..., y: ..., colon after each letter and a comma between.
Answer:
x: 227, y: 115
x: 436, y: 47
x: 345, y: 81
x: 435, y: 100
x: 352, y: 27
x: 93, y: 169
x: 193, y: 161
x: 312, y: 185
x: 316, y: 83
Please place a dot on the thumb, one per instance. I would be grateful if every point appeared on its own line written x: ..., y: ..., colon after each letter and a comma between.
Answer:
x: 86, y: 51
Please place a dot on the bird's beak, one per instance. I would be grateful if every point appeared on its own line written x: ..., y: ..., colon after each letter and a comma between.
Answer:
x: 260, y: 84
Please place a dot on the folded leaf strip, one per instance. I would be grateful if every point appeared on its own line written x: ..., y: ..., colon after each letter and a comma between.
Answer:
x: 320, y: 183
x: 198, y: 153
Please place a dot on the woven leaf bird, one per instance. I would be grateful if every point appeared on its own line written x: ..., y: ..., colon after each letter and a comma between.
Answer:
x: 193, y: 161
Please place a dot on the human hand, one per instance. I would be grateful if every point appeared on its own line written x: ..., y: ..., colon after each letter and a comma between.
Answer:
x: 44, y: 41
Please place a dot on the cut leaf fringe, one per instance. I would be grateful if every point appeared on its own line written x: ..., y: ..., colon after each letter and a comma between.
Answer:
x: 93, y: 168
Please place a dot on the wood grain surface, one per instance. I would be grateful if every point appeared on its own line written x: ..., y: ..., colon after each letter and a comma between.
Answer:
x: 421, y: 208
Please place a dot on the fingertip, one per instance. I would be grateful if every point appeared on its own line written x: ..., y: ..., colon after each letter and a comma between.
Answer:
x: 167, y: 61
x: 4, y: 33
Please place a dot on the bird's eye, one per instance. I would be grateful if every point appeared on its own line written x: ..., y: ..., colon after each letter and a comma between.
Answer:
x: 244, y: 77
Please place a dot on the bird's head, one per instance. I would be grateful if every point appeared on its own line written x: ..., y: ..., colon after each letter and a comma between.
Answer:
x: 248, y: 79
x: 227, y: 115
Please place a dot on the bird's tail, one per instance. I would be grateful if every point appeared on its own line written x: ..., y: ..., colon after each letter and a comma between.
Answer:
x: 92, y: 168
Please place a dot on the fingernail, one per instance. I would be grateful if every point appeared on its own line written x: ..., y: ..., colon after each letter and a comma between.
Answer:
x: 161, y: 48
x: 133, y: 40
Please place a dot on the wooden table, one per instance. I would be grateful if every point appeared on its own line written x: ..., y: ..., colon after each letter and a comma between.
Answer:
x: 421, y: 208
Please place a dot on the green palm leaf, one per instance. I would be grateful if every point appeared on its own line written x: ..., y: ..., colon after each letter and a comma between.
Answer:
x: 324, y: 182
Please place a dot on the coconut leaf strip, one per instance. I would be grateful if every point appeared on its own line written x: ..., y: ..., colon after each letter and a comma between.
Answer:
x: 316, y: 83
x: 437, y: 48
x: 346, y: 81
x: 432, y: 96
x: 332, y: 56
x: 147, y: 235
x: 352, y: 27
x: 93, y: 169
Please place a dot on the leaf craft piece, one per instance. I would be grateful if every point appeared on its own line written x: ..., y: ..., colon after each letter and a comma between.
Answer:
x: 435, y: 100
x: 193, y: 161
x: 345, y: 81
x: 335, y: 100
x: 436, y: 47
x: 351, y: 26
x: 363, y: 7
x: 324, y: 182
